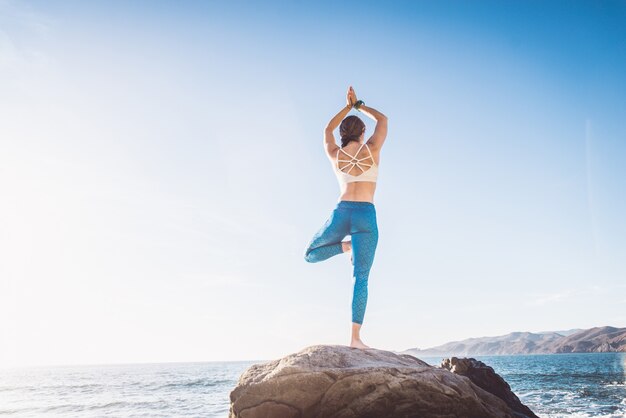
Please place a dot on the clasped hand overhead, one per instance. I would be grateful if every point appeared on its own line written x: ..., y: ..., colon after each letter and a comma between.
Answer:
x: 350, y: 97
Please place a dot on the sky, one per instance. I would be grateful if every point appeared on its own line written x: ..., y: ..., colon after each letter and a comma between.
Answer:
x: 162, y: 170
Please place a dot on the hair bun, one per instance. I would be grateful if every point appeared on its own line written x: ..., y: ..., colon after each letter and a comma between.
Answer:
x: 351, y: 129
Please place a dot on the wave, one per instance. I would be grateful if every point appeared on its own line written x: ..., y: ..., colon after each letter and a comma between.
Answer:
x: 203, y: 382
x: 158, y: 404
x: 615, y: 385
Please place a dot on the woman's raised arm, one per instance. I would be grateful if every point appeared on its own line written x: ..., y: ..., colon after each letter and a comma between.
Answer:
x: 380, y: 131
x: 336, y: 120
x: 330, y: 144
x: 377, y: 139
x: 350, y: 101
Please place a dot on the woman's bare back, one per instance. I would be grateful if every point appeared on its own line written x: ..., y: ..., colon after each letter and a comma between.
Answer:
x: 362, y: 191
x: 365, y: 161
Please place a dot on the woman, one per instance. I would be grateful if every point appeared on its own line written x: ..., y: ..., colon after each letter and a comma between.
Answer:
x: 355, y: 164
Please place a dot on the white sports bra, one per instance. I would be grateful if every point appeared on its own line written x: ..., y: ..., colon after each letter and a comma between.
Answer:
x: 343, y: 173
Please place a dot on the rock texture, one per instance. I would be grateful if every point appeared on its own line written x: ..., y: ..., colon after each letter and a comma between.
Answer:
x: 593, y: 340
x: 336, y: 381
x: 485, y: 377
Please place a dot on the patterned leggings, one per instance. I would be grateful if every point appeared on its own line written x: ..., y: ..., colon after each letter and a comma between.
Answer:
x: 357, y: 219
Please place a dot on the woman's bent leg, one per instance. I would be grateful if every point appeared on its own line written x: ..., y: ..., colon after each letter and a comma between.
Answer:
x: 326, y: 242
x: 364, y: 244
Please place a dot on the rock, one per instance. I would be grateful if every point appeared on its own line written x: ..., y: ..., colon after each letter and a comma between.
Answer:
x: 485, y: 377
x: 336, y: 381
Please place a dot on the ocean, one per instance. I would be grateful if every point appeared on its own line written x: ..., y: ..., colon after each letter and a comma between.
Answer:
x: 557, y: 385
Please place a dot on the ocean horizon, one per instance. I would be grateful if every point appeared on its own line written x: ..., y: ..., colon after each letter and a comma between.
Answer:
x: 552, y: 385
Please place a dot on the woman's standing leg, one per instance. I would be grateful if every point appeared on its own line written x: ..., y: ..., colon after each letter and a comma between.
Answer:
x: 364, y: 242
x: 326, y: 242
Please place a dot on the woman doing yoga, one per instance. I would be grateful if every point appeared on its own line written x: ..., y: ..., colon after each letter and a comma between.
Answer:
x: 355, y: 164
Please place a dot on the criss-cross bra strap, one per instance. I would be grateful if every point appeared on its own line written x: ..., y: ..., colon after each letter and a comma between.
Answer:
x: 357, y: 152
x: 370, y: 152
x: 358, y: 162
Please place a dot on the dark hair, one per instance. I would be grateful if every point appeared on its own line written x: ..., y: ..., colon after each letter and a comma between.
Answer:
x: 351, y: 129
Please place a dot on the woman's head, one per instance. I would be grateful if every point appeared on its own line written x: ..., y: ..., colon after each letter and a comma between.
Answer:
x: 351, y: 129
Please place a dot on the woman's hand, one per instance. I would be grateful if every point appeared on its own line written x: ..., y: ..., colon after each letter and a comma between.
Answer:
x: 350, y: 97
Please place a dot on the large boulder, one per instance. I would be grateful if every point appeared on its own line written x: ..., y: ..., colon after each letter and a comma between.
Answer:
x: 485, y: 377
x: 336, y: 381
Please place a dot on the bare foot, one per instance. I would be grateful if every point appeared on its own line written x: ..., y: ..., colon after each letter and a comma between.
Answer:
x: 347, y: 246
x: 358, y: 344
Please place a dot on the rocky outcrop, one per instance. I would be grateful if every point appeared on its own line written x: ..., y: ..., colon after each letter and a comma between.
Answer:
x: 485, y: 377
x: 335, y: 381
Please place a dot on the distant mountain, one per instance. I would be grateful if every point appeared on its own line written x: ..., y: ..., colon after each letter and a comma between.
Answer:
x: 593, y: 340
x: 565, y: 333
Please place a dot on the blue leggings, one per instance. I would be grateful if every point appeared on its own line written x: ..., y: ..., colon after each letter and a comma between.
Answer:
x: 357, y: 219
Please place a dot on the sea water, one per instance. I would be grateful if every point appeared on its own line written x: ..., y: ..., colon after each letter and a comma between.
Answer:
x: 564, y: 385
x: 555, y: 385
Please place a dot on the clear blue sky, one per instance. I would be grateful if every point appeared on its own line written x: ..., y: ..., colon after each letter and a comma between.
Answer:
x: 162, y: 170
